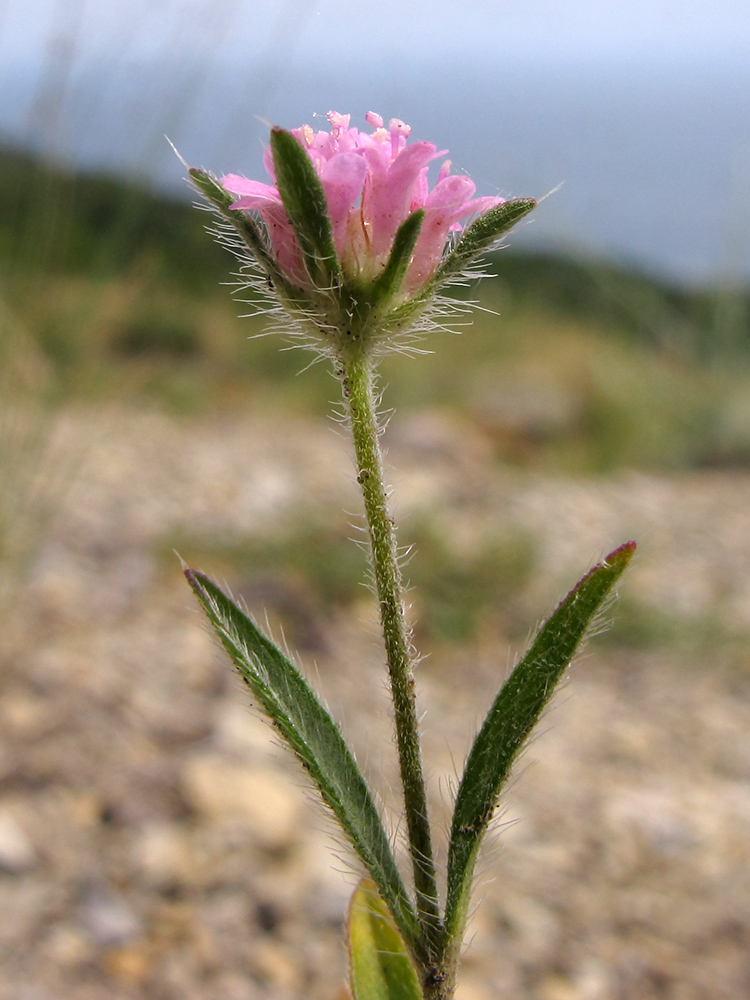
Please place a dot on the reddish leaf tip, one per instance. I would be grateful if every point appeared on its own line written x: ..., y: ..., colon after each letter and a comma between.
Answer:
x: 194, y: 578
x: 626, y: 550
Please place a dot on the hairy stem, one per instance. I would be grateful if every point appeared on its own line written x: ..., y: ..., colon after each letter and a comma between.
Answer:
x: 356, y: 372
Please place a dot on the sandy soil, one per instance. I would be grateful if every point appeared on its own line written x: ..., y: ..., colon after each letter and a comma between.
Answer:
x: 154, y: 843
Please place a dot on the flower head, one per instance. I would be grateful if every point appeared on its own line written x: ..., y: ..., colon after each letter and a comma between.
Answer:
x: 372, y: 183
x: 349, y: 232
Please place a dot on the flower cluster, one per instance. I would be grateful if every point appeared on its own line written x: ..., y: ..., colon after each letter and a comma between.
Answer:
x: 349, y: 239
x: 372, y: 183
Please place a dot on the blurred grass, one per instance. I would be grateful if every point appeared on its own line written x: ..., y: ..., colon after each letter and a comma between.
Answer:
x: 584, y: 368
x: 109, y: 292
x: 309, y: 574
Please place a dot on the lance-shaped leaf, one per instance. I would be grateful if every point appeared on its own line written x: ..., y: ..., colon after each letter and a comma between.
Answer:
x: 379, y: 965
x: 390, y: 280
x: 306, y: 726
x: 221, y: 199
x: 481, y: 235
x: 509, y: 722
x: 305, y: 203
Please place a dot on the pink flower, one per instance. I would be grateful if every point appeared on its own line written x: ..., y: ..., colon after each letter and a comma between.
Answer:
x: 372, y: 183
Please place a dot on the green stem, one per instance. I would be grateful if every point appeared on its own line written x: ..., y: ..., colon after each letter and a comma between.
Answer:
x: 357, y: 378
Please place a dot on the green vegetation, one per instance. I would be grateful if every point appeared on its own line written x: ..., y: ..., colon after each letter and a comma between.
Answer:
x: 311, y: 572
x: 108, y: 292
x: 586, y: 367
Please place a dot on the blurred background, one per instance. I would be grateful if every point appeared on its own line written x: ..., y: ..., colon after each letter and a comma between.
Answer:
x: 154, y: 843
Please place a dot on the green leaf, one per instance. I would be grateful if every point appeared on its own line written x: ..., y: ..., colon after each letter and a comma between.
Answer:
x: 389, y: 282
x: 251, y: 236
x: 305, y: 202
x: 379, y: 965
x: 210, y: 187
x: 509, y: 722
x: 482, y: 233
x: 293, y: 708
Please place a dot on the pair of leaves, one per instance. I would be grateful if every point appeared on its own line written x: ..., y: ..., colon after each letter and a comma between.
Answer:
x: 291, y: 705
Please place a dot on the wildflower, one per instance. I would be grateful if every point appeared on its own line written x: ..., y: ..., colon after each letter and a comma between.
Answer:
x: 355, y: 247
x: 351, y: 236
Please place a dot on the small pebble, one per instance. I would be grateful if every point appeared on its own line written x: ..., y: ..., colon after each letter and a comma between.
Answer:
x: 17, y: 853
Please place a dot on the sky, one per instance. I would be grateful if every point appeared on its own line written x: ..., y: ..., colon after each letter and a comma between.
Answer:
x: 626, y: 104
x: 388, y: 30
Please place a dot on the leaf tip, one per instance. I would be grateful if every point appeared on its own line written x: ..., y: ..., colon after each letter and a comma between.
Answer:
x: 622, y: 554
x: 617, y: 559
x: 195, y: 579
x: 616, y: 562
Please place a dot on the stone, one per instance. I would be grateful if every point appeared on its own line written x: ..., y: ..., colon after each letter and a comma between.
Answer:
x: 17, y: 853
x: 265, y: 800
x: 162, y: 852
x: 277, y: 965
x: 108, y: 917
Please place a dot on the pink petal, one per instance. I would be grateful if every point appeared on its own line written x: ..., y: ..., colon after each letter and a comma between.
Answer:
x: 305, y: 135
x: 438, y: 222
x: 400, y: 132
x: 255, y: 191
x: 322, y: 148
x: 420, y: 191
x: 339, y: 123
x: 445, y: 207
x: 387, y: 200
x: 481, y: 205
x: 284, y: 244
x: 268, y: 163
x: 342, y: 177
x: 478, y: 206
x: 445, y: 169
x: 372, y: 182
x: 429, y: 249
x: 454, y: 190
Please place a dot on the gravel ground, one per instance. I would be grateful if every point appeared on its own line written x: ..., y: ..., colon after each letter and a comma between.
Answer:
x: 155, y: 843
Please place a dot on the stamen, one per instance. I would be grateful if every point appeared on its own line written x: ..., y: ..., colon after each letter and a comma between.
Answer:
x: 400, y: 132
x: 307, y: 134
x: 339, y: 123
